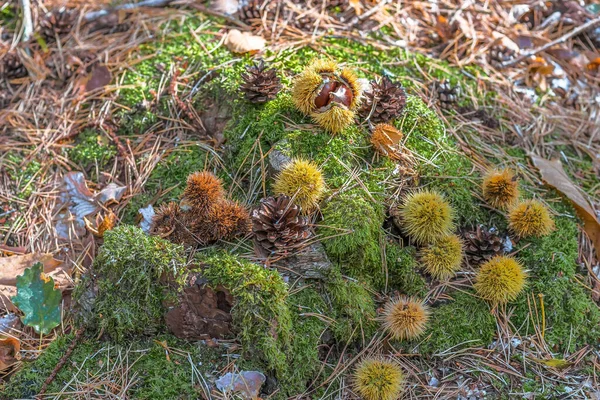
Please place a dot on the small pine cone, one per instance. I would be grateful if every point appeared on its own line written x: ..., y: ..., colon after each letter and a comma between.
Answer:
x: 11, y: 67
x: 384, y: 102
x: 482, y: 244
x: 58, y: 22
x: 260, y: 84
x: 250, y: 12
x: 498, y: 55
x: 447, y: 94
x: 278, y: 226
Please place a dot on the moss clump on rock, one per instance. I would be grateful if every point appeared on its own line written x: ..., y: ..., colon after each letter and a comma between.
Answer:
x: 402, y: 270
x: 351, y: 232
x: 260, y: 313
x: 352, y: 308
x: 127, y: 275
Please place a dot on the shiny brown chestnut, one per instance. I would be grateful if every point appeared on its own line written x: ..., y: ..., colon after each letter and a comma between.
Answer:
x: 334, y: 91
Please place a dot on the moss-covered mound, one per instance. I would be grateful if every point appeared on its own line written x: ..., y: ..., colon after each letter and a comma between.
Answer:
x: 126, y: 276
x: 281, y: 326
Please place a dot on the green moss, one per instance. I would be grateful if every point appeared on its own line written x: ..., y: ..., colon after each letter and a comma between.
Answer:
x: 352, y: 308
x: 403, y: 275
x: 260, y: 314
x: 309, y: 311
x: 127, y: 273
x: 151, y: 374
x: 256, y: 130
x: 167, y: 180
x: 23, y: 172
x: 572, y: 317
x: 351, y: 232
x: 466, y: 321
x: 91, y: 150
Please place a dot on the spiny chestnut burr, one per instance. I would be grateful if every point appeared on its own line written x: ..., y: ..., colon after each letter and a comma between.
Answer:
x: 500, y: 188
x: 377, y: 378
x: 405, y: 317
x: 328, y: 93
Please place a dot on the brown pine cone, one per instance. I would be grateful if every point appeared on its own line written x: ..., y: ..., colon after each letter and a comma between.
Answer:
x: 497, y: 55
x: 11, y: 67
x: 447, y: 95
x: 58, y: 22
x: 251, y: 11
x: 384, y: 102
x: 278, y: 226
x: 260, y: 84
x: 482, y: 244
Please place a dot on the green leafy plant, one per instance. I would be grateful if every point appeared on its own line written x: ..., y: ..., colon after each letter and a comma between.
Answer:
x: 38, y: 300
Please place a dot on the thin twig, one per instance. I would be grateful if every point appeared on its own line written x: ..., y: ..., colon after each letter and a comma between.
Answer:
x: 62, y: 361
x: 591, y: 23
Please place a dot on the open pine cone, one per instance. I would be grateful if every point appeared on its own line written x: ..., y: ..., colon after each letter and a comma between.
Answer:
x: 260, y: 84
x: 482, y: 244
x: 58, y: 22
x: 447, y: 95
x: 278, y: 226
x: 384, y: 102
x: 11, y: 67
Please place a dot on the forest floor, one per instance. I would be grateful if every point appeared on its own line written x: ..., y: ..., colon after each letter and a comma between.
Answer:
x: 139, y: 98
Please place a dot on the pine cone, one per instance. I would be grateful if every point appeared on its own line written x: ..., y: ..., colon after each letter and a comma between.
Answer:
x: 384, y: 102
x: 58, y: 22
x: 11, y: 67
x: 278, y: 226
x: 498, y: 55
x: 251, y: 12
x: 260, y: 84
x: 447, y: 94
x: 482, y: 244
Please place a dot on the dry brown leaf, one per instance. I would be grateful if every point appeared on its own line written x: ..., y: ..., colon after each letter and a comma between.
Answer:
x: 98, y: 78
x: 554, y: 175
x: 13, y: 266
x: 244, y: 42
x: 108, y: 222
x: 9, y: 352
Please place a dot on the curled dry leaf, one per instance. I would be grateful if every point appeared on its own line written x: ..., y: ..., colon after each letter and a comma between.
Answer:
x: 554, y: 175
x: 9, y: 322
x: 9, y: 352
x: 244, y: 42
x: 147, y: 213
x: 82, y: 202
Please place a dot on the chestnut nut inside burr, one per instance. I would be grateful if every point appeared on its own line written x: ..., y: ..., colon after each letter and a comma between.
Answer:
x: 334, y: 91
